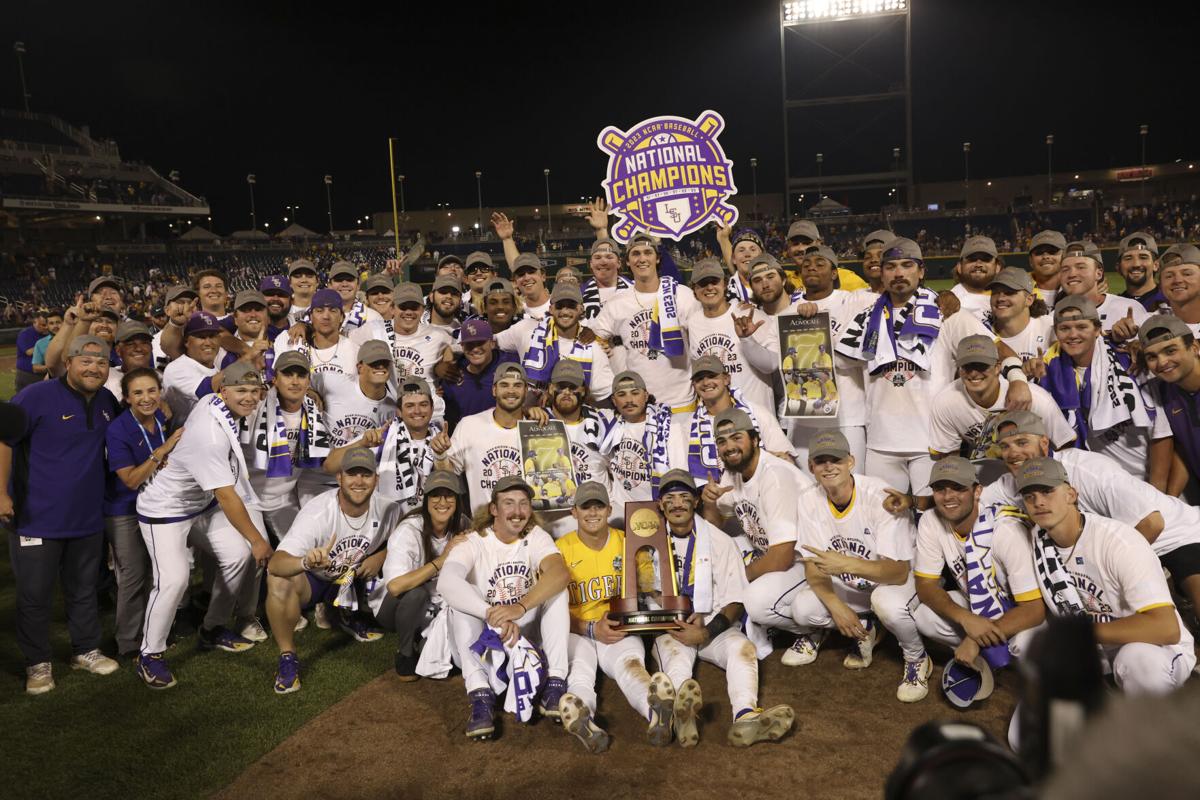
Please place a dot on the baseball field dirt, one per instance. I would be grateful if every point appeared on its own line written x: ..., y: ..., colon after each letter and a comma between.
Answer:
x: 406, y: 740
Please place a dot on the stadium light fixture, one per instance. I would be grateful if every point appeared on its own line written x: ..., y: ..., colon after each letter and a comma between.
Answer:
x: 808, y: 12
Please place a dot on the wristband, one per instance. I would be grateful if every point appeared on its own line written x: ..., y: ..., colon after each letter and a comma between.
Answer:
x: 304, y: 562
x: 524, y: 610
x: 591, y: 630
x: 1008, y: 365
x: 436, y: 570
x: 154, y: 458
x: 717, y: 626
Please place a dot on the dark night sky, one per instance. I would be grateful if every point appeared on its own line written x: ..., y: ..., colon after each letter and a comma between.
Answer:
x: 221, y: 89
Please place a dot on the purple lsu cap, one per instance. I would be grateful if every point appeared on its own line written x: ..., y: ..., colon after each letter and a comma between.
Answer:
x: 964, y: 685
x: 475, y: 330
x: 275, y: 284
x: 201, y: 322
x: 326, y: 298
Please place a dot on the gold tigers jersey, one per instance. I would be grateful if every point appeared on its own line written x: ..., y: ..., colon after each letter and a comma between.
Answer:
x: 595, y: 574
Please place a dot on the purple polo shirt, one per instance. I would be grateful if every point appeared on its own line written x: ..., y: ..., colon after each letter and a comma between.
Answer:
x: 1155, y: 302
x: 128, y: 445
x: 58, y: 469
x: 473, y: 393
x: 26, y: 339
x: 1183, y: 413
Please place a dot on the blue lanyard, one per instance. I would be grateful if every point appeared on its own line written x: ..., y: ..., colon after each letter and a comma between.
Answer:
x: 687, y: 566
x: 162, y: 439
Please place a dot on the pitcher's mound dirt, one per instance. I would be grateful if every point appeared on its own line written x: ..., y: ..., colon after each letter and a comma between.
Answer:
x: 405, y: 740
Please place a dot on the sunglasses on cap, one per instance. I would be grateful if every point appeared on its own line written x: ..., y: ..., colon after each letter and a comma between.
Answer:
x: 477, y: 266
x: 566, y: 304
x: 804, y: 240
x: 985, y: 258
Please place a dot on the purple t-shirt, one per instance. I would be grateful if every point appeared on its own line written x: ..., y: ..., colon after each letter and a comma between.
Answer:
x: 128, y: 445
x: 26, y: 339
x: 473, y: 393
x: 1183, y: 414
x: 58, y: 469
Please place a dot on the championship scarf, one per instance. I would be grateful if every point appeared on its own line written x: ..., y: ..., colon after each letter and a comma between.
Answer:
x: 1056, y: 583
x: 215, y: 407
x: 265, y: 434
x: 665, y: 334
x: 736, y: 291
x: 983, y: 594
x: 518, y: 672
x: 355, y: 317
x: 403, y: 464
x: 880, y: 344
x: 595, y: 426
x: 591, y: 295
x: 695, y: 574
x: 543, y: 353
x: 655, y: 437
x: 702, y: 444
x: 1105, y: 397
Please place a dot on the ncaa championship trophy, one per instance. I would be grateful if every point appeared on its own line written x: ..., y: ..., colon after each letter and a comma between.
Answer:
x: 646, y: 528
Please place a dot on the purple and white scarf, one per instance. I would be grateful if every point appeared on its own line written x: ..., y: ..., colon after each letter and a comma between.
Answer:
x: 920, y: 324
x: 265, y: 436
x: 703, y: 462
x: 655, y: 438
x: 543, y: 353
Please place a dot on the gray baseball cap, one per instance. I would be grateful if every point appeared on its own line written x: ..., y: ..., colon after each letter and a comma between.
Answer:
x: 879, y: 237
x: 1085, y: 249
x: 565, y: 290
x: 80, y: 343
x: 1180, y: 254
x: 247, y: 297
x: 180, y: 290
x: 415, y: 385
x: 953, y: 469
x: 1040, y: 472
x: 510, y: 482
x: 675, y: 478
x: 1013, y: 278
x: 591, y: 491
x: 901, y: 248
x: 447, y: 281
x: 291, y: 358
x: 764, y: 262
x: 1162, y: 328
x: 378, y: 282
x: 805, y: 228
x: 131, y: 329
x: 606, y: 245
x: 1048, y: 239
x: 509, y: 370
x: 359, y: 458
x: 978, y: 244
x: 301, y: 264
x: 732, y: 420
x: 525, y: 261
x: 706, y: 268
x: 374, y: 350
x: 481, y: 257
x: 343, y: 268
x: 407, y: 293
x: 1020, y: 422
x: 568, y: 370
x: 105, y: 280
x: 449, y: 258
x: 444, y: 480
x: 1078, y: 303
x: 628, y: 380
x: 1138, y: 241
x: 708, y: 363
x: 828, y: 443
x: 239, y: 373
x: 976, y: 349
x: 499, y: 286
x: 825, y: 252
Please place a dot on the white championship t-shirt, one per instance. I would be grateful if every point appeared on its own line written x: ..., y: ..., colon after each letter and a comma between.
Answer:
x: 939, y: 545
x: 339, y: 359
x: 977, y: 305
x: 182, y: 380
x: 863, y: 530
x: 716, y: 336
x: 503, y: 573
x: 1114, y: 308
x: 956, y: 421
x: 516, y: 339
x: 1035, y: 340
x: 406, y: 553
x: 203, y: 461
x: 766, y: 505
x: 483, y: 452
x: 276, y: 492
x: 415, y: 354
x: 349, y: 412
x: 627, y: 315
x: 356, y: 537
x: 629, y: 465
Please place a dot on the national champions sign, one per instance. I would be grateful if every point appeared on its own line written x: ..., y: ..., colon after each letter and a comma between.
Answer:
x: 668, y: 176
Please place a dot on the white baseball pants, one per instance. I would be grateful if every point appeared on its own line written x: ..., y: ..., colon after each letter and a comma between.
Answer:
x: 731, y: 651
x: 553, y: 625
x: 623, y: 661
x: 886, y: 601
x: 235, y: 584
x: 932, y: 626
x: 768, y: 598
x: 905, y: 472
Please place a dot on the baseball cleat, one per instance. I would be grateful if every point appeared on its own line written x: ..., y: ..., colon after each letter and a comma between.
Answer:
x: 353, y: 626
x: 482, y: 722
x: 94, y: 662
x: 863, y: 651
x: 39, y: 678
x: 287, y: 675
x: 251, y: 628
x: 552, y: 694
x: 662, y: 709
x: 406, y: 667
x: 153, y: 670
x: 915, y: 685
x: 755, y: 725
x: 804, y: 650
x: 576, y: 719
x: 221, y: 638
x: 688, y: 702
x: 321, y: 616
x: 301, y: 624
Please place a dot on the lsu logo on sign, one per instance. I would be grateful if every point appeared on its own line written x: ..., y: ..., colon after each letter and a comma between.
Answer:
x: 668, y: 176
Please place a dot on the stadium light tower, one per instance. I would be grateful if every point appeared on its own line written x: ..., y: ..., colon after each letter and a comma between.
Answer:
x: 822, y: 94
x: 479, y: 197
x: 329, y: 200
x: 401, y: 177
x: 549, y: 226
x: 19, y: 49
x: 251, y: 180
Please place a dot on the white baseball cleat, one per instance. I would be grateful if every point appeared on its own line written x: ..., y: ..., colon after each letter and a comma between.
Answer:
x: 915, y: 685
x: 576, y: 718
x: 863, y: 651
x: 662, y: 709
x: 94, y: 662
x: 251, y: 628
x: 804, y: 650
x: 761, y: 726
x: 688, y: 702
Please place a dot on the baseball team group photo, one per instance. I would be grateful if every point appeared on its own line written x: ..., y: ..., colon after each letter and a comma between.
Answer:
x: 790, y: 423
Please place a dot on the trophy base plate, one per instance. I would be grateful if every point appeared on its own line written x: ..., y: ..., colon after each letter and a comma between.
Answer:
x: 647, y: 621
